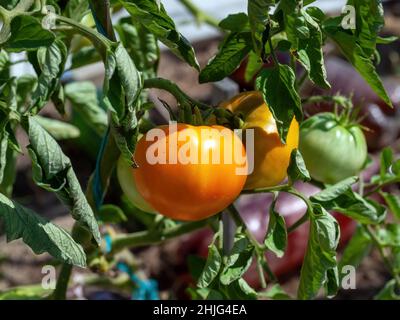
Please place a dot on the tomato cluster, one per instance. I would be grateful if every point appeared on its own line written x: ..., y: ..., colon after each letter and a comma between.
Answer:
x: 332, y: 147
x: 194, y: 191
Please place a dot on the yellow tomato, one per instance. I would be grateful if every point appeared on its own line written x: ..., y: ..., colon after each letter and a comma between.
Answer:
x: 271, y: 156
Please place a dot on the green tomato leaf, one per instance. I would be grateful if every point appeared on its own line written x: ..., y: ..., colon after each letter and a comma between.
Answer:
x: 258, y: 12
x: 297, y: 168
x: 152, y: 15
x: 355, y: 54
x: 369, y: 22
x: 334, y: 191
x: 386, y: 162
x: 276, y: 238
x: 332, y: 282
x: 4, y: 65
x: 386, y: 40
x: 317, y: 14
x: 83, y: 97
x: 237, y: 22
x: 39, y: 234
x: 240, y: 290
x: 51, y: 61
x: 389, y: 235
x: 321, y: 253
x: 196, y: 266
x: 351, y: 204
x: 393, y: 202
x: 232, y: 51
x: 3, y: 153
x: 8, y: 4
x: 110, y: 213
x: 141, y: 46
x: 84, y: 56
x: 27, y: 33
x: 254, y: 65
x: 26, y: 85
x: 76, y: 9
x: 310, y: 53
x: 278, y: 87
x: 58, y: 129
x: 128, y: 74
x: 8, y: 156
x: 123, y: 85
x: 388, y: 292
x: 275, y: 293
x: 357, y: 249
x: 239, y: 259
x: 212, y: 267
x: 52, y: 171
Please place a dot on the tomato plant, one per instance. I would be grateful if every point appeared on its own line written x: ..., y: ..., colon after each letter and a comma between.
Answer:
x: 283, y: 45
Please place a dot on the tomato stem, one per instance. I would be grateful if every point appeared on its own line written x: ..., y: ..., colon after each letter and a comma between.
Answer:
x: 283, y: 187
x: 381, y: 250
x: 98, y: 40
x: 274, y: 58
x: 172, y: 88
x: 259, y: 249
x: 148, y: 237
x: 298, y: 223
x: 60, y: 291
x: 199, y: 14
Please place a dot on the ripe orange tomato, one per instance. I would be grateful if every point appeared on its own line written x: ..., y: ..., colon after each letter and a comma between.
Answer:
x: 271, y: 156
x: 179, y: 176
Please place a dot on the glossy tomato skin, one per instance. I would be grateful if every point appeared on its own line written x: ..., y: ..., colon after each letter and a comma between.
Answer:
x: 128, y: 185
x: 197, y: 190
x: 331, y: 151
x: 271, y: 156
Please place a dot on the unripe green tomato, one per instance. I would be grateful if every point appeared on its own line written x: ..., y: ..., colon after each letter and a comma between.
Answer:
x: 128, y: 186
x: 332, y: 150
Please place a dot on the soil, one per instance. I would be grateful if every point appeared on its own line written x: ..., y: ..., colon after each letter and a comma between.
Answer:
x: 19, y: 266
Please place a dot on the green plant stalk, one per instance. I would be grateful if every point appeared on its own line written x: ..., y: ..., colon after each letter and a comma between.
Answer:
x: 283, y: 187
x: 301, y: 81
x: 149, y: 237
x: 274, y: 58
x: 381, y: 250
x: 259, y: 249
x: 60, y: 292
x: 122, y: 282
x: 172, y: 88
x: 99, y: 41
x: 200, y: 15
x: 20, y: 8
x: 298, y: 223
x: 289, y: 189
x: 107, y: 162
x: 336, y: 99
x: 379, y: 186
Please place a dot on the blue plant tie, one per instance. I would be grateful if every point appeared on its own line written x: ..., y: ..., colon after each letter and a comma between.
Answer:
x: 97, y: 185
x: 108, y: 240
x: 145, y: 289
x: 98, y: 195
